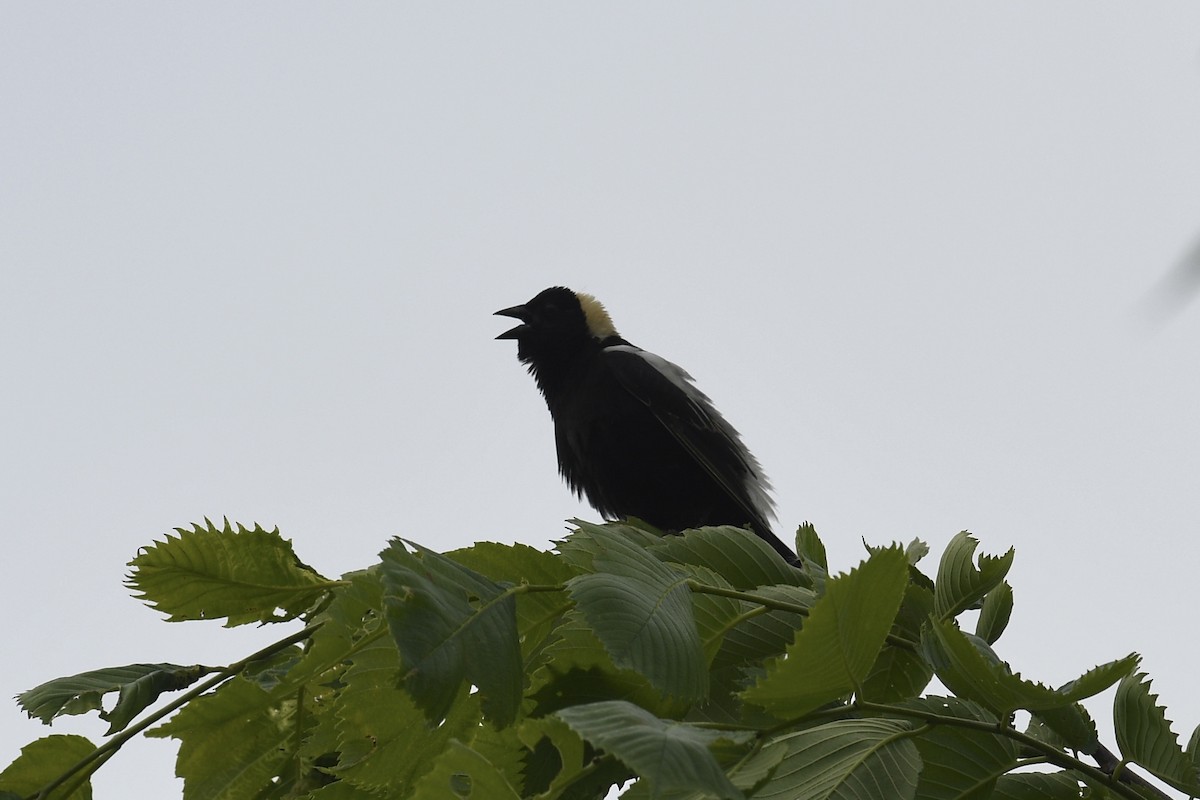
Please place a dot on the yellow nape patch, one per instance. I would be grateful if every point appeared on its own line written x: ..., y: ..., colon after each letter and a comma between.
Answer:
x: 600, y: 325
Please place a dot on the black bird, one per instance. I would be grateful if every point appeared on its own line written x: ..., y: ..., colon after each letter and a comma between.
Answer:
x: 633, y: 432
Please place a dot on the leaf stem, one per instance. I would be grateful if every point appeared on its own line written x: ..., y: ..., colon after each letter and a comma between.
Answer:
x: 1048, y: 752
x: 778, y: 605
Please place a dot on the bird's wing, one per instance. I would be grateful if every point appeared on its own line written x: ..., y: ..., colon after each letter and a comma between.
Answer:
x: 687, y: 413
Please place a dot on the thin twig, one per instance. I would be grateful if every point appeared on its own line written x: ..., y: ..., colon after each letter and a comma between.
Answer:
x: 109, y: 748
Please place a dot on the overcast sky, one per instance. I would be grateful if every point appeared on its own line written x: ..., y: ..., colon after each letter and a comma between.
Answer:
x: 250, y: 254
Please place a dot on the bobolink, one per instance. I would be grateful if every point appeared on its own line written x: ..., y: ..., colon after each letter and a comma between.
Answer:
x: 633, y: 432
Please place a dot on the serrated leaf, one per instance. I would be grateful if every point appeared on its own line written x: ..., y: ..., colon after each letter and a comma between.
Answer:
x: 1145, y: 737
x: 503, y: 749
x: 738, y: 556
x: 810, y: 548
x: 641, y: 610
x: 960, y: 763
x: 840, y: 640
x: 241, y: 575
x: 139, y: 686
x: 441, y: 616
x: 461, y: 772
x: 232, y: 742
x: 580, y: 546
x: 963, y: 668
x: 43, y: 761
x: 959, y: 584
x: 1037, y: 786
x: 857, y: 759
x: 385, y: 742
x: 996, y: 611
x: 670, y: 756
x: 1067, y: 727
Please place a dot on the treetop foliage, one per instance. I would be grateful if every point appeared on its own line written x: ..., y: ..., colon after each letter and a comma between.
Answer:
x: 681, y: 667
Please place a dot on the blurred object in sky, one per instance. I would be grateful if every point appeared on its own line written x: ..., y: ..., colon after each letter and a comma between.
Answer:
x: 1176, y: 289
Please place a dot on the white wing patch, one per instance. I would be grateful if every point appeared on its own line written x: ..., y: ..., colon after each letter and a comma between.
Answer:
x: 755, y: 483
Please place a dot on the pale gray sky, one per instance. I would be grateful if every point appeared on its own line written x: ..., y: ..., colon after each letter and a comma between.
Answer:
x: 250, y: 255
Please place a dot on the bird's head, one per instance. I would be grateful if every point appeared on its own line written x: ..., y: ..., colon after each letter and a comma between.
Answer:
x: 556, y: 324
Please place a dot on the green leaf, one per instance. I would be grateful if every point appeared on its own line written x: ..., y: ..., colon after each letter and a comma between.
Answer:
x: 914, y: 612
x: 840, y: 641
x: 854, y: 759
x: 1037, y: 786
x: 461, y: 772
x: 897, y: 674
x: 385, y: 742
x: 737, y: 555
x: 211, y: 573
x: 343, y: 790
x: 1145, y: 737
x: 231, y: 742
x: 996, y: 611
x: 715, y: 615
x: 810, y: 548
x: 671, y: 756
x: 916, y: 551
x: 765, y: 634
x: 959, y: 584
x: 961, y: 665
x: 139, y: 686
x: 442, y: 617
x: 959, y: 763
x: 559, y: 751
x: 900, y: 673
x: 641, y: 610
x: 351, y: 622
x: 352, y: 616
x: 569, y: 764
x: 504, y: 750
x: 579, y: 670
x: 45, y: 760
x: 580, y: 547
x: 538, y: 613
x: 1066, y: 727
x: 1193, y: 748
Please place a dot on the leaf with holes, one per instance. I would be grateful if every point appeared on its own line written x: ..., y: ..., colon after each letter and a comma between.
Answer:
x: 138, y: 685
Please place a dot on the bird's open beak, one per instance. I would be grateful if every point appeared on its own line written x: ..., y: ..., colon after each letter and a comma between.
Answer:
x: 516, y: 312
